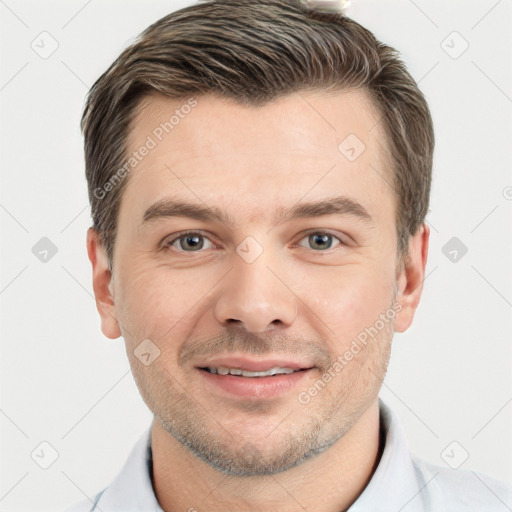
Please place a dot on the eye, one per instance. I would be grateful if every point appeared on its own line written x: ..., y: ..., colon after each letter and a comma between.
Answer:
x: 321, y: 241
x: 191, y: 241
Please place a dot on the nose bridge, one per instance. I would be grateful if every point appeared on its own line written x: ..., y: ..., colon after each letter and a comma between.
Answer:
x: 253, y: 296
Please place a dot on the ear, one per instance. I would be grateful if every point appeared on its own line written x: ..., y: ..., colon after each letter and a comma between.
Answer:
x: 102, y: 285
x: 410, y: 278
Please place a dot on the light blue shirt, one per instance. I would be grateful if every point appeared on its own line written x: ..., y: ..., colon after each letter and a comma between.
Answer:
x: 401, y: 483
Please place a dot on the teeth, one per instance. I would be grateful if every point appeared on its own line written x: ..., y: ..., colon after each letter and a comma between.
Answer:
x: 222, y: 370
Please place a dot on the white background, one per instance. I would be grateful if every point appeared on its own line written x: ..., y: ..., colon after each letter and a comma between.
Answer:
x: 64, y: 383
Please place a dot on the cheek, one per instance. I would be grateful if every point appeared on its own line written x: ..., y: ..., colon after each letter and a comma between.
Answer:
x: 153, y: 301
x: 350, y: 302
x: 158, y: 302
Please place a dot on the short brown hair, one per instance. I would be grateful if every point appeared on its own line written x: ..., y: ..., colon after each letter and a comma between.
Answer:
x: 254, y: 51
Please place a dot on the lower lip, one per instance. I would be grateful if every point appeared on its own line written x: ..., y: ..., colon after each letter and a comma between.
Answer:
x: 255, y: 387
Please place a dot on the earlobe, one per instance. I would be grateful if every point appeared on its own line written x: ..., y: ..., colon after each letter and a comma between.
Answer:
x: 411, y: 277
x: 102, y: 285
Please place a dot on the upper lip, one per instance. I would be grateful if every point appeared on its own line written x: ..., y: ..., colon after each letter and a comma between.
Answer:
x: 254, y: 365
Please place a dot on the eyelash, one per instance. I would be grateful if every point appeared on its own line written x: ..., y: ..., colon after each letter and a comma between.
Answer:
x: 168, y: 245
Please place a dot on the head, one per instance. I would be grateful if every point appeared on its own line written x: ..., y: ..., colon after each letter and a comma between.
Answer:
x: 259, y: 175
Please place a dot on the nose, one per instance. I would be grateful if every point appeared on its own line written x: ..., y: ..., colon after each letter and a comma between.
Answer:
x: 255, y: 297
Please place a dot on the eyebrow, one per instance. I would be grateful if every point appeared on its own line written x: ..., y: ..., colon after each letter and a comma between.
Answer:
x: 339, y: 205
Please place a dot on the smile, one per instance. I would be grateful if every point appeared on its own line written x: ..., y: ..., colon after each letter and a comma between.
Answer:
x: 222, y: 370
x: 245, y: 378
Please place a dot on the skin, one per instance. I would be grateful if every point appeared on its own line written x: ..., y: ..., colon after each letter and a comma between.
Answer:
x: 299, y: 299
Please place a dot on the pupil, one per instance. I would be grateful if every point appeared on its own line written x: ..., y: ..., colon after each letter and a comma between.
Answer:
x: 321, y: 239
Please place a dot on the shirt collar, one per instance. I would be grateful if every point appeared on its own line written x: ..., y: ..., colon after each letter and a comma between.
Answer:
x: 393, y: 486
x: 132, y: 489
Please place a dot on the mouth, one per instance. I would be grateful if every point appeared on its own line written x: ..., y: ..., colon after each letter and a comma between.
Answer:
x: 245, y: 378
x: 238, y: 372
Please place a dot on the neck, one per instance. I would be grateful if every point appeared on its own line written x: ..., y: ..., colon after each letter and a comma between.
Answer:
x: 328, y: 482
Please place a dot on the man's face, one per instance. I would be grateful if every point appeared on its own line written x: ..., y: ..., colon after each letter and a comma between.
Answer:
x: 261, y: 288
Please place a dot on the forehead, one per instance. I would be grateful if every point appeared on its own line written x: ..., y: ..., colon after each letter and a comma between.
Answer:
x: 303, y: 121
x: 212, y: 150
